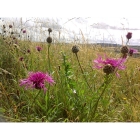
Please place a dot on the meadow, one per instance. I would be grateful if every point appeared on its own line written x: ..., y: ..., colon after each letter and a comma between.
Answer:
x: 67, y: 82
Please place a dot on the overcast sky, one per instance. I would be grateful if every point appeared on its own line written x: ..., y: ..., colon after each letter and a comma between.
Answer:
x: 117, y: 13
x: 108, y: 11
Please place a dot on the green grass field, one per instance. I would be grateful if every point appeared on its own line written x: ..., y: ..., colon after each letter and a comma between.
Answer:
x: 80, y: 93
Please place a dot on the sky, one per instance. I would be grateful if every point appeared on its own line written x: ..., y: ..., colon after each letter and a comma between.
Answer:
x: 117, y: 13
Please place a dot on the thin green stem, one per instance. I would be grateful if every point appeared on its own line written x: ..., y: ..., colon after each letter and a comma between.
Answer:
x: 108, y: 79
x: 49, y: 66
x: 35, y: 97
x: 82, y: 71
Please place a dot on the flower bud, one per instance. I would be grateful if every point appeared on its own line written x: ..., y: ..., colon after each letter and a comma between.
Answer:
x: 10, y: 26
x: 24, y: 31
x: 49, y: 39
x: 75, y: 49
x: 49, y: 30
x: 21, y: 58
x: 129, y: 35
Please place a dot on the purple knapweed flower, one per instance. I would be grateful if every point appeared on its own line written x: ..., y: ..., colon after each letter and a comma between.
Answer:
x: 37, y: 80
x: 129, y: 35
x: 24, y: 31
x: 39, y: 48
x: 132, y: 51
x: 21, y: 58
x: 28, y: 51
x: 109, y: 65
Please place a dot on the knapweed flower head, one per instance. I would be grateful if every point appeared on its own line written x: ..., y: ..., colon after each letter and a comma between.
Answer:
x: 124, y: 51
x: 129, y: 35
x: 21, y: 58
x: 132, y: 51
x: 109, y: 65
x: 75, y: 49
x: 39, y: 48
x: 24, y: 31
x: 49, y: 30
x: 10, y: 26
x: 49, y: 39
x: 28, y: 51
x: 37, y: 80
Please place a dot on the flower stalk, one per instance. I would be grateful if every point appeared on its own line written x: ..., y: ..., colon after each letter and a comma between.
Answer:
x: 82, y: 71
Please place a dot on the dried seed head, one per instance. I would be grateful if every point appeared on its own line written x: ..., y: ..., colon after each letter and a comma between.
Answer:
x: 49, y: 30
x: 108, y: 69
x: 75, y: 49
x: 124, y: 50
x: 49, y: 39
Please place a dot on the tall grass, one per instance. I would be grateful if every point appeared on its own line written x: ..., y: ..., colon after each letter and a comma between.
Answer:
x: 80, y: 93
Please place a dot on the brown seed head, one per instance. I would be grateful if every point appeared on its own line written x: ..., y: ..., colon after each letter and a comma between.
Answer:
x: 49, y: 39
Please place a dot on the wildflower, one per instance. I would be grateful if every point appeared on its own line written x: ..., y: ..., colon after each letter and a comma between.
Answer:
x: 132, y: 51
x: 39, y: 48
x: 75, y: 49
x: 129, y: 35
x: 28, y: 51
x: 21, y: 58
x: 24, y: 31
x: 49, y: 39
x: 37, y: 80
x: 109, y: 65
